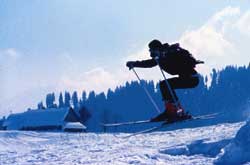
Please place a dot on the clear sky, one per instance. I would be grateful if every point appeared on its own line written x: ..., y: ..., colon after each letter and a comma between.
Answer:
x: 58, y: 45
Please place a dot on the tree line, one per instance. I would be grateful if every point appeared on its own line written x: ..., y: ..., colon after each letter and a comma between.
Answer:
x: 227, y: 94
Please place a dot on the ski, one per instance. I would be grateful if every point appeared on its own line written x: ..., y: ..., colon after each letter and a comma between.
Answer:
x: 125, y: 123
x: 209, y: 116
x: 148, y: 121
x: 145, y: 131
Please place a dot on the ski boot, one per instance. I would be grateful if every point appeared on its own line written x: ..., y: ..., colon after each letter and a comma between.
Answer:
x: 161, y: 117
x: 176, y: 113
x: 169, y: 113
x: 181, y: 114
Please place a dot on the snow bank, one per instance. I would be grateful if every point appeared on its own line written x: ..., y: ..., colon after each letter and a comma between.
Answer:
x: 74, y: 127
x: 197, y: 147
x: 238, y: 151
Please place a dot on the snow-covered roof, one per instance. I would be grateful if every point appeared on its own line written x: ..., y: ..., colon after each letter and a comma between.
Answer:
x: 74, y: 125
x: 39, y: 117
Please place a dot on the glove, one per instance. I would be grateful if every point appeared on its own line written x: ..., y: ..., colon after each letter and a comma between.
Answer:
x: 130, y: 64
x: 199, y: 62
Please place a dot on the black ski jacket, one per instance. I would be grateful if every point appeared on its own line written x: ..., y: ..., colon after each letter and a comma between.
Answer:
x: 170, y: 65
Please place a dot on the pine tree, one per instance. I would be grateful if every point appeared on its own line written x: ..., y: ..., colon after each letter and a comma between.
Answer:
x: 75, y: 100
x: 67, y: 98
x: 84, y: 96
x: 53, y: 99
x: 40, y: 105
x: 50, y: 99
x: 91, y: 96
x: 61, y: 103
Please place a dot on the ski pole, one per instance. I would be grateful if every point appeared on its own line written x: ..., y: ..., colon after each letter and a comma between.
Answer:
x: 147, y: 92
x: 166, y: 81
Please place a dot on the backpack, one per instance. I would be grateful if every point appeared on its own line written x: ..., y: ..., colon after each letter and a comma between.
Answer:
x: 181, y: 57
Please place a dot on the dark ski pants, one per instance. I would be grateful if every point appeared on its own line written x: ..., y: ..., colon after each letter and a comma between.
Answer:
x: 180, y: 82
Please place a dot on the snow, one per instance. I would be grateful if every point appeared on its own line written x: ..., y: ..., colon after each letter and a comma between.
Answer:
x: 74, y: 125
x: 201, y: 145
x: 238, y: 151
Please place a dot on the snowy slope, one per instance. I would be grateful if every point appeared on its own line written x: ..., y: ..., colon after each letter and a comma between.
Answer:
x: 201, y: 145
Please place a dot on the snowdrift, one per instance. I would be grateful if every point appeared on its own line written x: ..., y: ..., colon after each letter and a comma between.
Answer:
x: 238, y: 150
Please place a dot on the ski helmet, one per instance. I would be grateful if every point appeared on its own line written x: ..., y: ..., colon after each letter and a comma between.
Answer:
x: 155, y: 44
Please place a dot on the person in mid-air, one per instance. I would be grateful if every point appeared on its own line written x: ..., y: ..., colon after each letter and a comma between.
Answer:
x: 176, y: 61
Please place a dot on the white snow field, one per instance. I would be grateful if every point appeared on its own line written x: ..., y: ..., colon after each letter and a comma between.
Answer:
x: 215, y: 144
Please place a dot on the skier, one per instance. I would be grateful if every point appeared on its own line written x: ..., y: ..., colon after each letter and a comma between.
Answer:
x: 176, y: 61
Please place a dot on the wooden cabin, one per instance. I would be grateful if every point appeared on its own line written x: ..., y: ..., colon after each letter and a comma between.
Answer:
x: 51, y: 119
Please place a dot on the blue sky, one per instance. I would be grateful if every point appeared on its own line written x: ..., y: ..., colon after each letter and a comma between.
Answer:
x: 80, y: 45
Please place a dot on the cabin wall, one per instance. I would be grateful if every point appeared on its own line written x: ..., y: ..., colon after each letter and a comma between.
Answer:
x: 71, y: 116
x: 43, y: 128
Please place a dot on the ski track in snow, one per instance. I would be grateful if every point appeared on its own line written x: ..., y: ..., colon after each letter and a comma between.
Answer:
x: 185, y: 146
